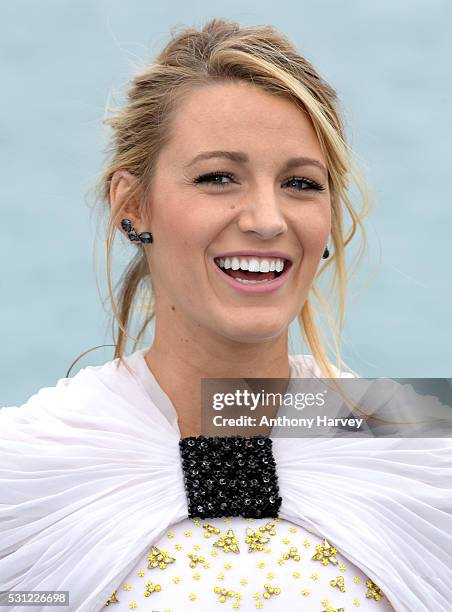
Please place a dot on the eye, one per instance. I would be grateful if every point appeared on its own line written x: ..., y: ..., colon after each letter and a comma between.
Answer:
x: 312, y: 185
x: 211, y: 178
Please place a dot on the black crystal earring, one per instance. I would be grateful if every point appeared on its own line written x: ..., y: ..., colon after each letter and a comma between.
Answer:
x: 326, y: 253
x: 145, y: 237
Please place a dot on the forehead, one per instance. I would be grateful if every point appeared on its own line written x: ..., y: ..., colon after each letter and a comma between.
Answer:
x: 240, y: 115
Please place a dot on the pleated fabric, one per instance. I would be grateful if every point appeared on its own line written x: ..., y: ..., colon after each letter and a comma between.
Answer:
x: 90, y: 470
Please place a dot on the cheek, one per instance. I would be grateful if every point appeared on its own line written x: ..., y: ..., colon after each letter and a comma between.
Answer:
x: 185, y: 233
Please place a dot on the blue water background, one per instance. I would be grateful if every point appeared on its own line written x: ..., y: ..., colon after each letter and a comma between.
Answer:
x: 60, y: 63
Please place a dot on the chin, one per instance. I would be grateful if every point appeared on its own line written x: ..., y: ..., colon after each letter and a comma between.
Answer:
x: 255, y: 332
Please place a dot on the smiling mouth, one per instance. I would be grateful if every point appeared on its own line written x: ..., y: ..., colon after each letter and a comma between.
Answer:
x: 245, y: 276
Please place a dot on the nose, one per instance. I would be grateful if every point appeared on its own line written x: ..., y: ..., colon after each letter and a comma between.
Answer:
x: 262, y: 215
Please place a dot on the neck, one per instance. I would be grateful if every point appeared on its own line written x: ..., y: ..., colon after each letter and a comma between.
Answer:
x: 179, y: 364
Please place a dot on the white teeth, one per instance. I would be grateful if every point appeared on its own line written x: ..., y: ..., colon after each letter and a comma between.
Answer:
x: 265, y: 265
x: 252, y: 264
x: 243, y: 264
x: 246, y: 281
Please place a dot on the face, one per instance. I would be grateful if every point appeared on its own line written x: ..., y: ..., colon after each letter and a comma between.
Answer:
x: 248, y: 206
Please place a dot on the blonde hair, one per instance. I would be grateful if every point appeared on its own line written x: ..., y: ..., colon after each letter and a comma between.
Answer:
x: 225, y: 51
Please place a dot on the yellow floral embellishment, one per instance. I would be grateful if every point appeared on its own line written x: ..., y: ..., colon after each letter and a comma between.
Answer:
x: 170, y: 534
x: 261, y: 565
x: 176, y: 579
x: 112, y: 599
x: 228, y: 542
x: 305, y: 592
x: 227, y: 566
x: 243, y: 581
x: 192, y: 597
x: 159, y: 558
x: 196, y: 521
x: 356, y: 602
x: 356, y: 580
x: 196, y: 547
x: 152, y: 588
x: 306, y: 543
x: 140, y: 572
x: 373, y: 591
x: 209, y: 530
x: 195, y: 559
x: 292, y: 554
x: 268, y: 528
x: 236, y: 605
x: 325, y: 553
x: 339, y: 583
x: 296, y: 575
x: 178, y: 546
x: 293, y: 530
x: 255, y: 540
x: 220, y: 576
x: 259, y: 604
x: 270, y: 590
x: 196, y: 576
x: 133, y: 605
x: 270, y: 575
x: 214, y: 553
x: 223, y: 593
x: 188, y: 533
x: 206, y: 564
x: 314, y: 576
x: 127, y: 587
x: 257, y: 595
x: 285, y: 541
x: 342, y: 567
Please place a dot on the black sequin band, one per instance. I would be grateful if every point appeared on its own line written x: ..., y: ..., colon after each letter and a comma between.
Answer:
x: 230, y: 476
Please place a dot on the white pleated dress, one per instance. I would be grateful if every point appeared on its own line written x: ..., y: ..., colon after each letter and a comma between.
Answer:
x: 93, y: 502
x: 282, y: 566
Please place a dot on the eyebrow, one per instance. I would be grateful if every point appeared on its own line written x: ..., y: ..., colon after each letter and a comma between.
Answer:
x: 242, y: 158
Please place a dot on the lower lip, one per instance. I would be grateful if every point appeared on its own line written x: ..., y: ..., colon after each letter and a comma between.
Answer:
x: 262, y: 287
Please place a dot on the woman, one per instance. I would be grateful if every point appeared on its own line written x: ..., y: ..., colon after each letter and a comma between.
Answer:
x: 229, y: 171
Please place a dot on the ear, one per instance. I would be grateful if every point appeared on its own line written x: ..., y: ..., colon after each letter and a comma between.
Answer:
x: 121, y: 185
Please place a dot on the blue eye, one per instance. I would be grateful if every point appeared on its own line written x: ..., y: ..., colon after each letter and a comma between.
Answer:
x: 311, y: 184
x: 209, y: 178
x: 212, y: 176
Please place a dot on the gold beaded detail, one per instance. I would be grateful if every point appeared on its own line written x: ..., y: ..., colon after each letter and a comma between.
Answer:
x: 269, y: 528
x: 339, y: 583
x: 159, y: 558
x: 224, y: 593
x: 269, y: 591
x: 292, y: 554
x: 195, y: 559
x: 151, y: 588
x: 373, y: 591
x: 112, y: 599
x: 326, y: 553
x: 255, y: 540
x: 209, y: 530
x: 228, y: 542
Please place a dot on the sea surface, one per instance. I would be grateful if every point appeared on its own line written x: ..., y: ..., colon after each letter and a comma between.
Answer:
x: 63, y: 63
